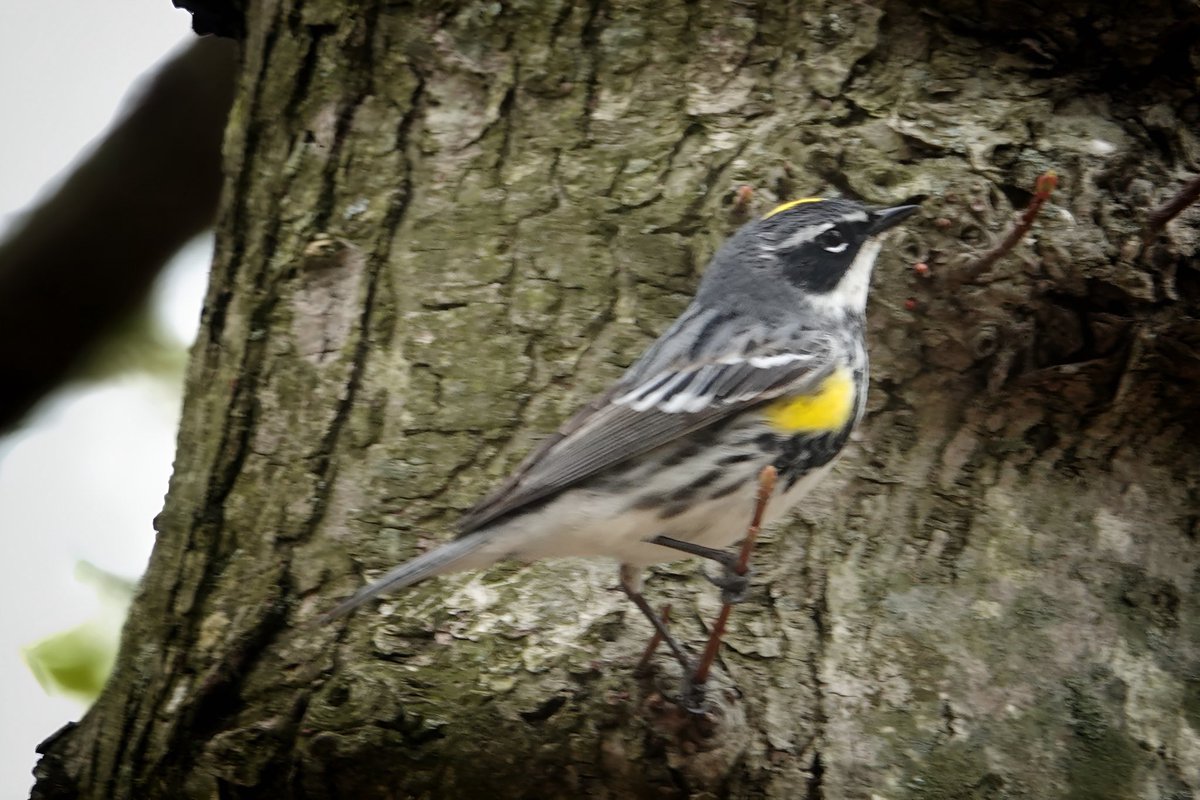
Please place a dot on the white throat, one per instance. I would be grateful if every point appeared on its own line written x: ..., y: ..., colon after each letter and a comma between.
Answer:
x: 850, y: 295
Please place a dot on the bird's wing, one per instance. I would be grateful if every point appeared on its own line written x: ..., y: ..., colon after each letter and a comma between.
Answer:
x: 634, y: 418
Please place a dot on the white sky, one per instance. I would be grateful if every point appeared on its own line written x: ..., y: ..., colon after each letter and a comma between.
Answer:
x: 86, y: 477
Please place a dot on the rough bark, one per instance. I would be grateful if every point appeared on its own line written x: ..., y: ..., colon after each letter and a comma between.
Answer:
x: 444, y: 226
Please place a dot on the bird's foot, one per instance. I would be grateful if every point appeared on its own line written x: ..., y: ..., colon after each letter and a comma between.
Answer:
x: 693, y: 695
x: 734, y: 586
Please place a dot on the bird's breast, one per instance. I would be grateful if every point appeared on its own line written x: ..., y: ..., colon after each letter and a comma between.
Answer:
x: 830, y: 407
x: 811, y: 429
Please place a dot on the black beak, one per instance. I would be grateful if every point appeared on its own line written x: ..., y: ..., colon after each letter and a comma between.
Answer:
x: 886, y: 218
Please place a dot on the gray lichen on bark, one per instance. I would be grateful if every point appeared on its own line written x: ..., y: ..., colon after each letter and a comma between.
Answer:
x: 445, y: 225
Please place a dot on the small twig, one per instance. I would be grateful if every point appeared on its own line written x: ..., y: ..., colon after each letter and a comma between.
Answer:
x: 741, y: 202
x: 1046, y: 183
x: 1159, y: 217
x: 655, y: 640
x: 766, y: 485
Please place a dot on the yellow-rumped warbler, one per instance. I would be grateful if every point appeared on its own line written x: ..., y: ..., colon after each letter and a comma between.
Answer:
x: 767, y: 366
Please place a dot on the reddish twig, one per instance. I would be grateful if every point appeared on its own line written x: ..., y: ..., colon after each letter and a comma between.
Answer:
x: 1159, y: 217
x: 1046, y: 183
x: 740, y: 209
x: 766, y: 485
x: 655, y: 640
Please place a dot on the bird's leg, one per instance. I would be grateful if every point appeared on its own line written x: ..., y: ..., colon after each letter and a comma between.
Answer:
x: 630, y: 585
x: 733, y: 584
x: 652, y: 645
x: 766, y: 485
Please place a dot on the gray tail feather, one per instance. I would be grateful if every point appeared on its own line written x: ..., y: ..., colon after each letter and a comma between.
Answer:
x: 435, y: 562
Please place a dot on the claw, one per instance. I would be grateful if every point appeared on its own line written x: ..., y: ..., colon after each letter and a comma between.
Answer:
x: 734, y: 587
x: 692, y: 696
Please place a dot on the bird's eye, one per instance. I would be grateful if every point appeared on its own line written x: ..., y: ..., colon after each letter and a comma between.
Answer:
x: 832, y: 241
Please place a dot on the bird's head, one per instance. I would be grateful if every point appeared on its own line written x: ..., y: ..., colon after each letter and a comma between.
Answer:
x: 816, y: 252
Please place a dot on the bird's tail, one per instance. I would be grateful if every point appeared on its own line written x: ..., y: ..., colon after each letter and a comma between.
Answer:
x: 452, y: 557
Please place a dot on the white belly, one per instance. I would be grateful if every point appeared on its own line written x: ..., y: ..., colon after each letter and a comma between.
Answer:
x: 583, y: 523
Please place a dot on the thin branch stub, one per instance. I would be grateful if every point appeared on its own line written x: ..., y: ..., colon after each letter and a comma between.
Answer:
x: 1159, y: 217
x: 1045, y: 185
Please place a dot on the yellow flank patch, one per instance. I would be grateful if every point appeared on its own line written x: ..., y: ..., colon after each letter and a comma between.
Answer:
x: 829, y: 408
x: 792, y: 204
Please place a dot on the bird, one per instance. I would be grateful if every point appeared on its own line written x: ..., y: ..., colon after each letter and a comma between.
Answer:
x: 766, y: 367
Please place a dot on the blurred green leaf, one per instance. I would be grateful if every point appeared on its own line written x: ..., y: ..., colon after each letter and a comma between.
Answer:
x: 77, y: 662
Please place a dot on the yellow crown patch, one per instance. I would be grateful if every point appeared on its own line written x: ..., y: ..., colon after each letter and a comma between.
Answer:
x: 792, y: 204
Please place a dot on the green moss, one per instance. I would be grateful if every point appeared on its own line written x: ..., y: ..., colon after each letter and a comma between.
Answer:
x: 478, y: 369
x: 956, y: 770
x: 428, y: 457
x: 1101, y: 759
x: 1147, y: 606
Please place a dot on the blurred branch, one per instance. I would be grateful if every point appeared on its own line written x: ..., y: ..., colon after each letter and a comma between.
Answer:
x: 86, y: 256
x: 220, y: 17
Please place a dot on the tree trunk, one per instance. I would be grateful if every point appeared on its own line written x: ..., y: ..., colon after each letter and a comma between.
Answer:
x: 443, y: 228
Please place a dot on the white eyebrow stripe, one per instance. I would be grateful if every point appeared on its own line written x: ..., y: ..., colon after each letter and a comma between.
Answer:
x: 805, y: 235
x: 811, y: 232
